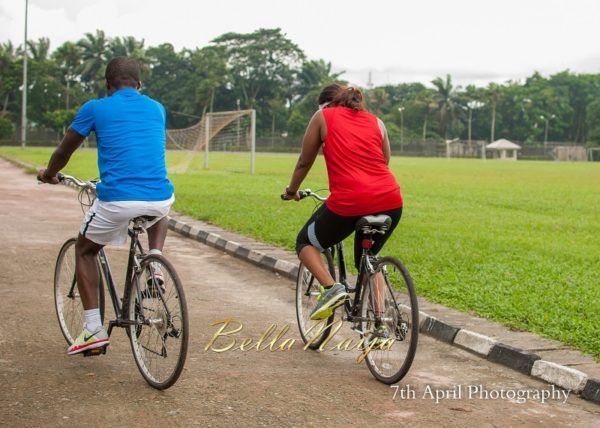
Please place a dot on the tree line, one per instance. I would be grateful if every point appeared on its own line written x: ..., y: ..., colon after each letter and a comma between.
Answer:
x: 266, y: 71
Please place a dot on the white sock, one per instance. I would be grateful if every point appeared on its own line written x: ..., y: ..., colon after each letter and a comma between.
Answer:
x: 155, y: 251
x: 92, y: 320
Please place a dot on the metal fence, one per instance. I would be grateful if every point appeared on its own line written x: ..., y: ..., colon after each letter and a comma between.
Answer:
x: 552, y: 150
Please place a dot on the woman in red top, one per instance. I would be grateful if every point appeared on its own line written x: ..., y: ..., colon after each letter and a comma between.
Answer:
x: 357, y: 152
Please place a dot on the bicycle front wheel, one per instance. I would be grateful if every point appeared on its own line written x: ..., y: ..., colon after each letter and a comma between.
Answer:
x: 313, y: 333
x: 156, y: 307
x: 390, y: 315
x: 67, y: 300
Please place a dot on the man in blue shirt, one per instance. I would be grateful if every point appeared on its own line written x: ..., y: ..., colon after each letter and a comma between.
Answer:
x: 130, y: 135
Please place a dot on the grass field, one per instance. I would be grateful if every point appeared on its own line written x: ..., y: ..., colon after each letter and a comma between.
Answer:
x: 516, y: 242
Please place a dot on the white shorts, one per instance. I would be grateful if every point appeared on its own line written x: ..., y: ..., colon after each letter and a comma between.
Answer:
x: 105, y: 223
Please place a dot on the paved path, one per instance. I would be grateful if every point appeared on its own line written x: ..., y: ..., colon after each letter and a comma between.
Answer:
x: 41, y: 385
x: 528, y: 353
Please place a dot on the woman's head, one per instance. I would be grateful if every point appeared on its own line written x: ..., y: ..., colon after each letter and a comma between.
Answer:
x: 342, y: 96
x: 327, y: 94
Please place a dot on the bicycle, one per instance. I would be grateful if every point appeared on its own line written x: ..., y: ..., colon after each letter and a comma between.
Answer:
x: 153, y: 310
x: 384, y: 295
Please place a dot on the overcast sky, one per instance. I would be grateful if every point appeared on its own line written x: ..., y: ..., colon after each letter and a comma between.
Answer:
x: 475, y: 41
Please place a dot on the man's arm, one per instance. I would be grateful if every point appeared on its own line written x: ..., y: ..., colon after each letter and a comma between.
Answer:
x: 71, y: 141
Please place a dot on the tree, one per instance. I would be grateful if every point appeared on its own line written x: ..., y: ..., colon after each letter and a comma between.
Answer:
x: 210, y: 76
x: 39, y: 50
x: 170, y: 80
x: 259, y: 61
x: 7, y: 128
x: 314, y: 75
x: 593, y: 122
x: 427, y: 103
x: 378, y: 101
x: 126, y: 46
x: 9, y: 76
x: 492, y: 94
x: 445, y: 102
x: 261, y: 66
x: 68, y: 59
x: 94, y: 56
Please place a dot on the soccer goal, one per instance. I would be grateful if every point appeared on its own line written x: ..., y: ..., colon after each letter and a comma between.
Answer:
x: 226, y: 140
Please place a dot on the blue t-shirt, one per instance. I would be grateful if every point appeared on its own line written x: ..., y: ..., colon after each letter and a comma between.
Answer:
x: 130, y: 135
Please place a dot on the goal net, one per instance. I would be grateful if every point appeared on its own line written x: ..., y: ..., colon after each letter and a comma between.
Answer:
x: 221, y: 140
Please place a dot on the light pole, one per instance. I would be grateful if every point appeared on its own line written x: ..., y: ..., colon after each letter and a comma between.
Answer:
x: 401, y: 110
x: 472, y: 105
x: 238, y: 123
x: 546, y: 119
x: 24, y: 94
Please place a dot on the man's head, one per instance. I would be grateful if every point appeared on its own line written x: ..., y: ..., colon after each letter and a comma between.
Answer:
x: 122, y: 72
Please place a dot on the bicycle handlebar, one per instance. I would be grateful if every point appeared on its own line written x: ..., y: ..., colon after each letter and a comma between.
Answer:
x: 70, y: 179
x: 306, y: 193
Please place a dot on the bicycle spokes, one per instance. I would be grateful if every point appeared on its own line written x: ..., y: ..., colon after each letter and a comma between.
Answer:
x: 390, y: 314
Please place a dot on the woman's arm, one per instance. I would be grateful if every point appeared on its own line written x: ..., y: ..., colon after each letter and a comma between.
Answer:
x: 385, y: 142
x: 310, y: 148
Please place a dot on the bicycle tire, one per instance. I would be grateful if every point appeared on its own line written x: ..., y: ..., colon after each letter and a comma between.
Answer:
x: 159, y: 338
x: 67, y: 301
x: 401, y: 316
x: 307, y: 290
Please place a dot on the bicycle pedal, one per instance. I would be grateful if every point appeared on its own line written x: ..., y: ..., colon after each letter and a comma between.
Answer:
x: 94, y: 352
x: 358, y: 330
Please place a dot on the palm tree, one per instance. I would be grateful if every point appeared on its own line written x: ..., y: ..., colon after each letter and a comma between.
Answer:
x: 427, y: 102
x: 125, y: 46
x: 8, y: 56
x: 39, y: 50
x: 445, y: 102
x: 94, y: 49
x: 68, y: 58
x: 493, y: 93
x: 379, y: 101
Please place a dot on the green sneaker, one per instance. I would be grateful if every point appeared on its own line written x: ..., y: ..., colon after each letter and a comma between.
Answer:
x: 88, y: 340
x: 329, y: 299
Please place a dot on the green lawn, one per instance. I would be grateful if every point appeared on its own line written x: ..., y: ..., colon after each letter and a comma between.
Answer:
x: 517, y: 242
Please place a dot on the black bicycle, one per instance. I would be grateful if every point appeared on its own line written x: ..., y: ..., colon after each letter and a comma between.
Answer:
x: 382, y: 308
x: 153, y: 308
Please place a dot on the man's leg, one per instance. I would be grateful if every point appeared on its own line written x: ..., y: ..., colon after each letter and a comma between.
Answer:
x: 157, y: 233
x: 86, y: 271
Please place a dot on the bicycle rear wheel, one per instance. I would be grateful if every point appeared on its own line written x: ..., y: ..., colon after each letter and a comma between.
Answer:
x: 391, y: 303
x: 307, y: 291
x: 159, y: 336
x: 67, y: 301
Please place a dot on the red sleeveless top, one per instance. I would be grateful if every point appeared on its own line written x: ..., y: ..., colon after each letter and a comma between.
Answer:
x: 360, y: 181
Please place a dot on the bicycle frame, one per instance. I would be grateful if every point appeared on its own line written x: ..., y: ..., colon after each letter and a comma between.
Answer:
x: 352, y: 307
x: 136, y: 252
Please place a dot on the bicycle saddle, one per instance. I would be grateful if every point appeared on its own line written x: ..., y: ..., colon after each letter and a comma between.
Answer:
x: 145, y: 217
x: 381, y: 221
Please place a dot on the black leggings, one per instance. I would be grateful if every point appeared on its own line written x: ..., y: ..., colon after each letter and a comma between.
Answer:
x: 324, y: 229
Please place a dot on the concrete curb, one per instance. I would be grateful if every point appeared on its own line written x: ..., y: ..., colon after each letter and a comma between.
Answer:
x: 484, y: 346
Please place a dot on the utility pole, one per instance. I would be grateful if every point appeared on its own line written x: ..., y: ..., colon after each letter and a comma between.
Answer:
x: 24, y: 94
